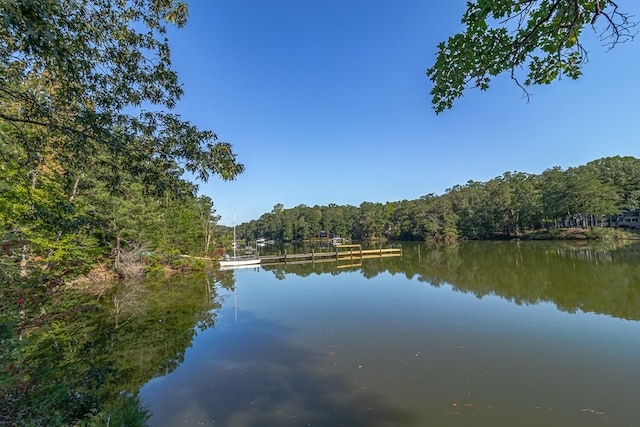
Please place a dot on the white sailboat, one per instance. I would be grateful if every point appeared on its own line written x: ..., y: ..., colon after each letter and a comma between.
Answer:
x: 238, y: 261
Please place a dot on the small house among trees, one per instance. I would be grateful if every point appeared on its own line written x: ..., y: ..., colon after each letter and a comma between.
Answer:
x: 627, y: 219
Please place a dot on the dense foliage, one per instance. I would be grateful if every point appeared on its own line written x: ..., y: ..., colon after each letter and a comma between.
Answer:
x: 92, y: 160
x: 92, y: 156
x: 507, y: 206
x: 543, y: 37
x: 89, y: 83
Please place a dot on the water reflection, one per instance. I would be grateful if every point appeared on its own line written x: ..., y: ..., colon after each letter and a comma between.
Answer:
x: 154, y: 332
x: 598, y: 278
x: 251, y: 375
x: 466, y: 334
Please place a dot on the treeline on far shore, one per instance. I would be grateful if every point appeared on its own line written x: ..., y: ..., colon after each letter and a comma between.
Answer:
x: 601, y: 193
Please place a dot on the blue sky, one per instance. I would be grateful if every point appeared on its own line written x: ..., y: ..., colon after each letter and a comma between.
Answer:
x: 328, y: 102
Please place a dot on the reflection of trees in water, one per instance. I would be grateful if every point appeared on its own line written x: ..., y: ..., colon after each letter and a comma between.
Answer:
x: 128, y: 302
x: 87, y: 359
x: 256, y: 377
x: 592, y: 277
x: 154, y: 343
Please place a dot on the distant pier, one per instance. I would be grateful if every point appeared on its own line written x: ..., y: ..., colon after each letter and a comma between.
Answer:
x: 342, y: 253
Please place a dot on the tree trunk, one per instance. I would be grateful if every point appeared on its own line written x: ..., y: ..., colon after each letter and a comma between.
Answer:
x: 74, y: 189
x: 207, y: 242
x: 23, y: 261
x: 72, y: 196
x: 117, y: 254
x: 24, y: 270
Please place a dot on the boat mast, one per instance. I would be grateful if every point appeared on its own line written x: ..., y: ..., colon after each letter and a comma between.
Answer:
x: 234, y: 235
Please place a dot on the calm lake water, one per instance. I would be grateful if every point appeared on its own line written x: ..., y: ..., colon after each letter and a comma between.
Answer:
x: 474, y: 334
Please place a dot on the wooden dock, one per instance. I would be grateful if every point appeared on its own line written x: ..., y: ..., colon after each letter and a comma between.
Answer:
x: 342, y: 253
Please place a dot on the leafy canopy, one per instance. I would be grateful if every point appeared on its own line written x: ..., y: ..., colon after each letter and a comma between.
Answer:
x: 542, y: 36
x: 96, y: 76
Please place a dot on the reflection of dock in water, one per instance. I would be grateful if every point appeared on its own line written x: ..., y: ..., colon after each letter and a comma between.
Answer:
x: 342, y: 253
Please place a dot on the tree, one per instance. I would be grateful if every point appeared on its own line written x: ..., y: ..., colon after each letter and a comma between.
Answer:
x: 86, y: 93
x: 543, y: 36
x: 372, y: 221
x: 589, y: 195
x: 526, y: 201
x: 95, y: 77
x: 554, y: 195
x: 622, y: 173
x: 434, y: 219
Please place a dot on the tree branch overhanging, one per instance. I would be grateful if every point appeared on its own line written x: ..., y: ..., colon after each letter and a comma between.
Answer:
x: 543, y: 36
